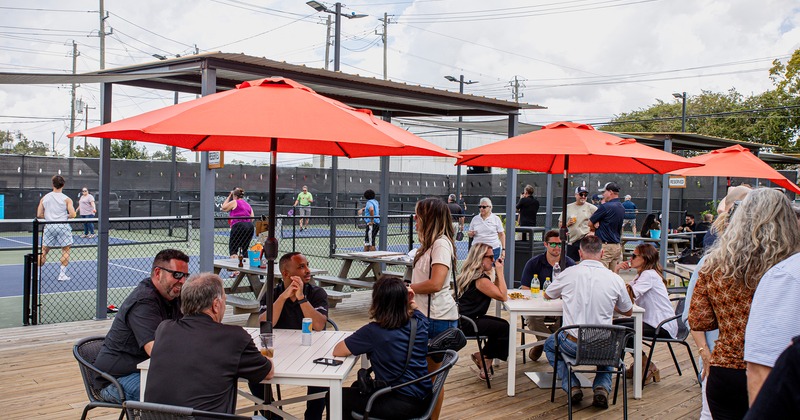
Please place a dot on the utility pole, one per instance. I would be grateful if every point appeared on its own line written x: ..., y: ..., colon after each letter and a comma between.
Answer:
x: 328, y: 42
x: 515, y: 86
x: 461, y: 83
x: 86, y: 124
x: 384, y: 38
x: 103, y: 17
x: 75, y: 54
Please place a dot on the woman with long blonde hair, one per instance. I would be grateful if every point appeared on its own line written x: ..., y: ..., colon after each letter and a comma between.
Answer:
x: 481, y: 280
x: 761, y: 233
x: 431, y: 273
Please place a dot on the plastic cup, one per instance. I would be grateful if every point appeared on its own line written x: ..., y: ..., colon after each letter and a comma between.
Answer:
x: 267, y: 344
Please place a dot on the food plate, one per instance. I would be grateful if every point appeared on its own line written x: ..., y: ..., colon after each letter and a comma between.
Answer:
x: 517, y: 295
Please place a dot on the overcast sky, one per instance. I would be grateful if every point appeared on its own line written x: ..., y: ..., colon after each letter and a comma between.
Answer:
x: 585, y: 60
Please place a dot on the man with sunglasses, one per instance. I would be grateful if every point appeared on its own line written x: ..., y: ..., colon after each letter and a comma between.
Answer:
x: 132, y: 334
x: 542, y: 265
x: 578, y: 214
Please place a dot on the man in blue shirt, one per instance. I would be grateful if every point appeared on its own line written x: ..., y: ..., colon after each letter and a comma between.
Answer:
x: 371, y: 213
x: 542, y: 266
x: 630, y: 214
x: 606, y: 223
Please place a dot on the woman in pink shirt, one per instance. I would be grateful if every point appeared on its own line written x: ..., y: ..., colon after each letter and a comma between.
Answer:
x: 242, y: 230
x: 87, y: 210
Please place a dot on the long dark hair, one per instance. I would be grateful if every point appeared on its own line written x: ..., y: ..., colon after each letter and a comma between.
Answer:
x: 390, y: 303
x: 647, y: 225
x: 649, y: 255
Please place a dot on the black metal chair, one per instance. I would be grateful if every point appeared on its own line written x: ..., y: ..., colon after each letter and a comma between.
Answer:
x: 85, y: 351
x: 683, y: 333
x: 450, y: 359
x: 472, y: 333
x: 150, y: 411
x: 597, y: 345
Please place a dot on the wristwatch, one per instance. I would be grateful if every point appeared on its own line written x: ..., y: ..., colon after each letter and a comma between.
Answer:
x: 301, y: 301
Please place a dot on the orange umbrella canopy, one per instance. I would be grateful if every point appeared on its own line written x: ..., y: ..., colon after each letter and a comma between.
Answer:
x: 242, y: 119
x: 736, y: 161
x: 589, y: 151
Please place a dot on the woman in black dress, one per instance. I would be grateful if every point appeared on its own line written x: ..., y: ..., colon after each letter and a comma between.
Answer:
x: 480, y: 281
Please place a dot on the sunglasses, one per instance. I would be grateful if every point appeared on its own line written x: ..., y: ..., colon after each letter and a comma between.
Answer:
x: 84, y: 190
x: 177, y: 275
x: 491, y: 257
x: 584, y: 194
x: 484, y: 207
x: 554, y: 244
x: 635, y: 256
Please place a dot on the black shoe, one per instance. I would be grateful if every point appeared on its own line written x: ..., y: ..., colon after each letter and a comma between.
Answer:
x: 576, y: 394
x: 600, y: 398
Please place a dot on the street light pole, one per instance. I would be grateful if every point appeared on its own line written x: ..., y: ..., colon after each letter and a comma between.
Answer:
x: 461, y: 83
x: 337, y: 32
x: 682, y: 96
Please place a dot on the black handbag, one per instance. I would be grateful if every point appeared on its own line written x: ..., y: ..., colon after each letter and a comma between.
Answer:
x: 366, y: 384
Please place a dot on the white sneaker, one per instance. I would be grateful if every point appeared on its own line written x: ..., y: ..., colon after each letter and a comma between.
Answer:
x: 63, y: 277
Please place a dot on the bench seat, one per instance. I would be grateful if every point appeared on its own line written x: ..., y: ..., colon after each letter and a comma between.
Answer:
x: 339, y: 281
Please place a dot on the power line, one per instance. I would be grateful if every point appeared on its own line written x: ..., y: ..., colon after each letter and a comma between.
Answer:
x: 47, y: 10
x: 151, y: 32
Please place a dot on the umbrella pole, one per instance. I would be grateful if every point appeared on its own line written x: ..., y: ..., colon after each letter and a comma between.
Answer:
x: 563, y: 230
x: 271, y: 247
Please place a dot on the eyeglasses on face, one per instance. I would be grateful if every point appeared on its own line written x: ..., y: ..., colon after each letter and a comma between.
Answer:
x: 491, y: 257
x: 554, y: 244
x: 84, y: 190
x: 484, y: 207
x: 584, y: 194
x: 177, y: 275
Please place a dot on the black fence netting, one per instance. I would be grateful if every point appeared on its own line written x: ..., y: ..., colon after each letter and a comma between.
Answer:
x: 60, y: 284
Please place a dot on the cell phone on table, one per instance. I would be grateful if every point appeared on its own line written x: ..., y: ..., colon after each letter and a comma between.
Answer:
x: 327, y: 361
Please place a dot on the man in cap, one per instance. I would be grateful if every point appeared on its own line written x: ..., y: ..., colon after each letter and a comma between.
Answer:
x: 458, y: 215
x: 303, y: 204
x: 630, y: 214
x: 606, y: 223
x: 578, y: 214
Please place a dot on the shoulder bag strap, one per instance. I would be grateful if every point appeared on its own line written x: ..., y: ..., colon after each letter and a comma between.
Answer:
x: 412, y: 338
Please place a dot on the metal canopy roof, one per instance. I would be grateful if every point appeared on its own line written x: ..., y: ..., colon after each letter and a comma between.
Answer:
x: 184, y: 74
x: 690, y: 141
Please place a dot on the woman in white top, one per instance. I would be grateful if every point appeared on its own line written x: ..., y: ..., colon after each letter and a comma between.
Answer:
x: 431, y: 274
x: 486, y: 228
x: 649, y: 291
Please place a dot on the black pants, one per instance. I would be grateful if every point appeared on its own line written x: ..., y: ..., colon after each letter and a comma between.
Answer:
x: 726, y: 392
x: 314, y: 408
x: 647, y: 330
x: 393, y: 405
x: 572, y: 252
x: 240, y: 236
x: 370, y: 233
x: 496, y: 329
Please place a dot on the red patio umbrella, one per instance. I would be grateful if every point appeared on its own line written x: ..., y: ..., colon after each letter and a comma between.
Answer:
x: 736, y: 161
x: 269, y: 115
x: 568, y: 147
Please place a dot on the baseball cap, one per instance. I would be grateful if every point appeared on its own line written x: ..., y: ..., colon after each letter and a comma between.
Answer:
x: 579, y: 190
x: 610, y: 186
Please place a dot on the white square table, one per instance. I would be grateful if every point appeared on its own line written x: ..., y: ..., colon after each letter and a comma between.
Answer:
x: 540, y: 307
x: 294, y: 365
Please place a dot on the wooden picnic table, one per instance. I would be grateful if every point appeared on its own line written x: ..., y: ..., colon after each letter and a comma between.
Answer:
x: 370, y: 272
x: 673, y: 243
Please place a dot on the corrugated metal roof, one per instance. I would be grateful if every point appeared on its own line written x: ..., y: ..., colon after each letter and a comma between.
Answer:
x: 184, y: 74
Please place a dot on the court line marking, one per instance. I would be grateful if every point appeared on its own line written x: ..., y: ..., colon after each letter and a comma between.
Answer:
x: 14, y: 240
x: 130, y: 268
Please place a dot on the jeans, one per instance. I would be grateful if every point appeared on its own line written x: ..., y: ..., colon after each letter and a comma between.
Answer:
x: 88, y: 228
x: 570, y: 348
x: 437, y: 326
x: 130, y: 386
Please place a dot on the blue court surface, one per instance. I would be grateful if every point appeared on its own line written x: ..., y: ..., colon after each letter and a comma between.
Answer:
x: 313, y: 232
x: 122, y: 272
x: 25, y: 241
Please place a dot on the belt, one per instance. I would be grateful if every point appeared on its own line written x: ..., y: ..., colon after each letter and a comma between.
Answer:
x: 571, y: 338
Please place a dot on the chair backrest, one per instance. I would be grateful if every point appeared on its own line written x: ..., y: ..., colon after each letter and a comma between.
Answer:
x: 601, y: 345
x: 85, y: 352
x: 683, y: 329
x: 151, y: 411
x: 450, y: 359
x: 333, y: 324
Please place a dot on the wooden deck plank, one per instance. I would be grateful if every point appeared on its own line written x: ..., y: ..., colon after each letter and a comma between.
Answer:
x: 41, y: 379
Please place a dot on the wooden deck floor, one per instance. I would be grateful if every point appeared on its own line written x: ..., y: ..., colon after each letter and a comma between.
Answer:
x: 40, y: 379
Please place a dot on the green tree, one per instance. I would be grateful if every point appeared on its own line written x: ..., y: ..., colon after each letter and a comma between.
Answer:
x: 786, y: 77
x: 166, y: 154
x: 121, y: 149
x: 90, y: 151
x: 15, y: 142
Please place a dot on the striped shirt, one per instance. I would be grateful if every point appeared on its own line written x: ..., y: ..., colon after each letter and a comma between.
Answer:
x: 774, y: 314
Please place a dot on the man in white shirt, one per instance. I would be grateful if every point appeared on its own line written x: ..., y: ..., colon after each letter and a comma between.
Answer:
x: 56, y: 206
x: 578, y: 214
x: 591, y: 293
